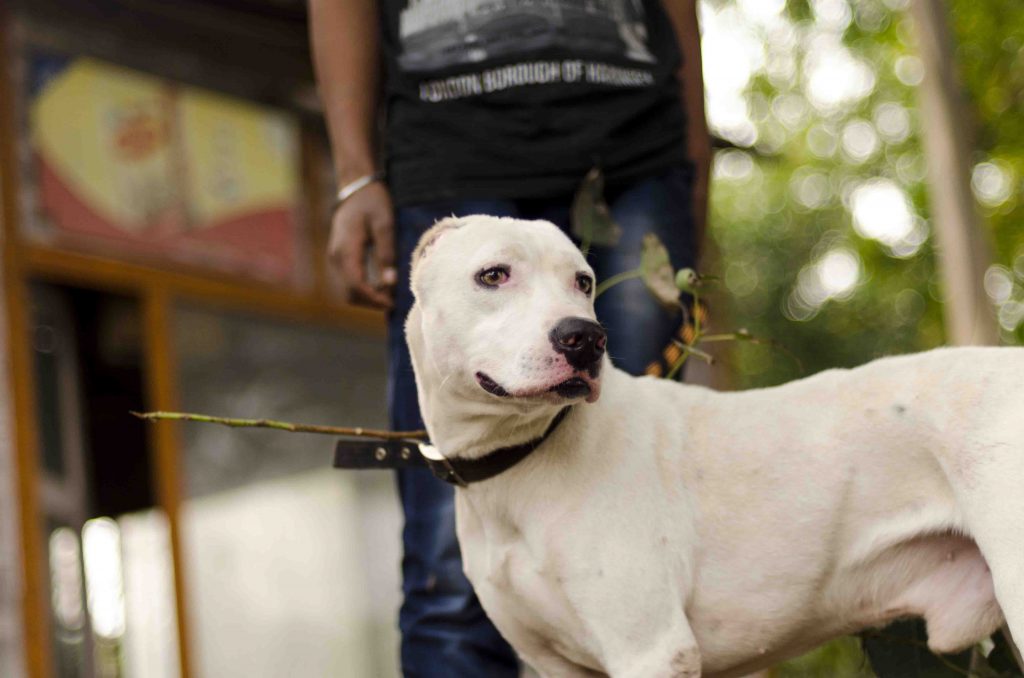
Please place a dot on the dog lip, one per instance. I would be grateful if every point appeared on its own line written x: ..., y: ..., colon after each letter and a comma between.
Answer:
x: 576, y: 387
x: 491, y: 386
x: 572, y: 388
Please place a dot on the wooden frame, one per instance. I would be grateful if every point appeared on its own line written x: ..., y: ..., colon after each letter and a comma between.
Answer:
x: 162, y: 394
x: 34, y: 612
x: 158, y: 289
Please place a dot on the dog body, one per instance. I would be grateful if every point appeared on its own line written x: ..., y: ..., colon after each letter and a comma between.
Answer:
x: 669, y: 530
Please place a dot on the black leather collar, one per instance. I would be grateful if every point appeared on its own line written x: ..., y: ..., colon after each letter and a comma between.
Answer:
x: 455, y: 470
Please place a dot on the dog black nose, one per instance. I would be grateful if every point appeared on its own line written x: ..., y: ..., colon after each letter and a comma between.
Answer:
x: 581, y: 341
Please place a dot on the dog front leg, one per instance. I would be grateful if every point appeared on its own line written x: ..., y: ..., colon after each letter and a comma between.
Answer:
x: 675, y: 656
x: 550, y: 664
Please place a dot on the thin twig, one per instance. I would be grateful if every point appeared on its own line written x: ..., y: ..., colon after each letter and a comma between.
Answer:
x: 696, y: 315
x: 691, y: 348
x: 711, y: 338
x: 678, y: 365
x: 616, y: 279
x: 770, y: 343
x: 358, y: 431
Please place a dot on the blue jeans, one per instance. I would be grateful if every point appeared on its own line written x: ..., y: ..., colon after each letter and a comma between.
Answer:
x: 445, y: 632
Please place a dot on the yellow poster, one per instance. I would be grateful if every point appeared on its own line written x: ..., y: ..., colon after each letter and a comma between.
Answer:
x: 129, y: 163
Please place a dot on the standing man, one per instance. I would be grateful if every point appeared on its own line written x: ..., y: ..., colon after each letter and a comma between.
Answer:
x: 501, y: 107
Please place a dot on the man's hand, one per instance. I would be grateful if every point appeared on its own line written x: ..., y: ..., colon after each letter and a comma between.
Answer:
x: 346, y: 52
x: 365, y: 222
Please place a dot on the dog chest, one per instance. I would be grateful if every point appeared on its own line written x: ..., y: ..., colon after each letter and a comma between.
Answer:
x: 525, y: 588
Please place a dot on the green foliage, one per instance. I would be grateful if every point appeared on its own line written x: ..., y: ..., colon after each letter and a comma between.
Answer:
x: 782, y: 208
x: 840, y: 658
x: 797, y: 264
x: 592, y: 222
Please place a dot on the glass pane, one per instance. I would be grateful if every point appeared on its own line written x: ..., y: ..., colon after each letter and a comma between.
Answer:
x: 112, y: 604
x: 292, y: 567
x: 67, y: 604
x: 150, y: 644
x: 104, y: 587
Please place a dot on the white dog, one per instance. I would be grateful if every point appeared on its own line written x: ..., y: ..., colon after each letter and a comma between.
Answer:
x: 668, y: 530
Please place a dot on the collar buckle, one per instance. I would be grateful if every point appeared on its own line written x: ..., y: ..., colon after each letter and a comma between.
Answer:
x: 440, y: 466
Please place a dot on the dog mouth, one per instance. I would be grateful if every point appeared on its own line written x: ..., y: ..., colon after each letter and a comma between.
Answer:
x: 571, y: 388
x: 491, y: 386
x: 575, y: 387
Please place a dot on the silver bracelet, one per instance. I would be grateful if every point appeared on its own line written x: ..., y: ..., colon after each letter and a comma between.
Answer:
x: 351, y: 188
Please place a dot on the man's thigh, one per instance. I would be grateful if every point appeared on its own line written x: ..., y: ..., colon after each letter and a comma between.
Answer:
x: 445, y: 633
x: 410, y: 224
x: 639, y: 328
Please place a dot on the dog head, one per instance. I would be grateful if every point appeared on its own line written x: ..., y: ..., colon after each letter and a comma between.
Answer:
x: 504, y: 312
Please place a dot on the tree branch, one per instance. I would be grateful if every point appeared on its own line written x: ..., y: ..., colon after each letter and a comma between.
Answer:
x: 358, y: 431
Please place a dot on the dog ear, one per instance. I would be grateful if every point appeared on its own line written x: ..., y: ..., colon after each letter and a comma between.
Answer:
x: 427, y: 240
x: 431, y: 236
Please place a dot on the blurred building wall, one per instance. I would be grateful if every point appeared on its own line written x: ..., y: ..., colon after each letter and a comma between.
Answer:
x: 258, y: 596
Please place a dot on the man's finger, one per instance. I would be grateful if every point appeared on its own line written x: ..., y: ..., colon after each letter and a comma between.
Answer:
x: 338, y: 241
x: 367, y: 294
x: 383, y: 229
x: 351, y: 253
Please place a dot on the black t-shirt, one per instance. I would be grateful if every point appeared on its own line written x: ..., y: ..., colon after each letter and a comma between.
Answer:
x: 519, y: 98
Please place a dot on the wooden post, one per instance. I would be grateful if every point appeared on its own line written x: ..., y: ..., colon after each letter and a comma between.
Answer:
x: 22, y: 411
x: 161, y: 390
x: 963, y: 249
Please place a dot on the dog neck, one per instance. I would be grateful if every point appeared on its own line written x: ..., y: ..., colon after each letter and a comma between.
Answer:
x: 470, y: 430
x: 463, y: 471
x: 463, y: 425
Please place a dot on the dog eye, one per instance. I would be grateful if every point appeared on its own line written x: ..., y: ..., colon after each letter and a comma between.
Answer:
x: 584, y: 283
x: 492, y: 277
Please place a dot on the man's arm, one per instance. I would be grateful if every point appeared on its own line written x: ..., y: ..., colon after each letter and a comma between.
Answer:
x: 683, y: 15
x: 345, y: 35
